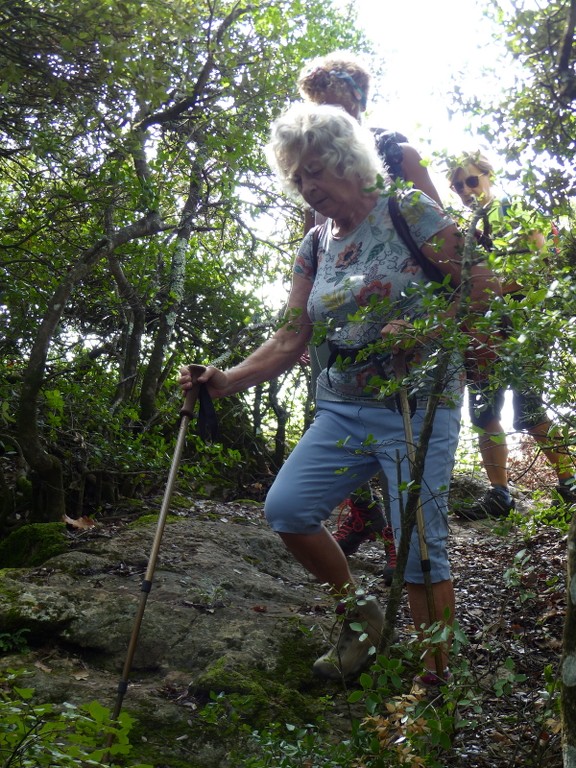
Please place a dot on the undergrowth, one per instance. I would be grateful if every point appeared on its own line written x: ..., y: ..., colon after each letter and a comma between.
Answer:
x: 34, y: 735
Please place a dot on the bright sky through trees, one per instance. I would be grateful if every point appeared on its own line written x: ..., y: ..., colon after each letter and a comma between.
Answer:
x: 424, y: 48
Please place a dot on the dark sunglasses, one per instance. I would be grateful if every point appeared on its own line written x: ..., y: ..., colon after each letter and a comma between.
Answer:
x: 471, y: 182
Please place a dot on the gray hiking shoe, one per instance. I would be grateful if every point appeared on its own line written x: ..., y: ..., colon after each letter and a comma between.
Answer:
x: 494, y: 503
x: 360, y: 632
x: 566, y: 494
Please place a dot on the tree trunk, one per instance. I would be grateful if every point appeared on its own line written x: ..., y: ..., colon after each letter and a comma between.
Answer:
x: 132, y: 334
x: 49, y: 499
x: 568, y: 665
x: 6, y: 502
x: 171, y: 301
x: 281, y: 419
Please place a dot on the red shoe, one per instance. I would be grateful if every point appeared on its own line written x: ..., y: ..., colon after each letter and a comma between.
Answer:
x: 362, y: 523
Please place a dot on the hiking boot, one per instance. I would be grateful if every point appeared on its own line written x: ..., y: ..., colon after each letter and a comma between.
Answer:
x: 567, y: 494
x: 390, y: 549
x: 494, y: 503
x: 362, y: 523
x: 353, y: 650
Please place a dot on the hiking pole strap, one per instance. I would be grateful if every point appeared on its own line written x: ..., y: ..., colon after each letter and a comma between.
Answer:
x: 207, y: 419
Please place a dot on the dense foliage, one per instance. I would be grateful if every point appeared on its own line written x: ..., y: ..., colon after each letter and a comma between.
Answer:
x: 529, y: 123
x: 530, y: 120
x: 139, y: 224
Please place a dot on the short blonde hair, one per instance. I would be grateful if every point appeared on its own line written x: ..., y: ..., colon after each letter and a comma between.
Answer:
x: 338, y: 78
x: 459, y: 162
x: 336, y: 139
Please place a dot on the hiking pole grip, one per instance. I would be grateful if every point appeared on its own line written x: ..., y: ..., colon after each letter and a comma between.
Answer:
x: 192, y: 393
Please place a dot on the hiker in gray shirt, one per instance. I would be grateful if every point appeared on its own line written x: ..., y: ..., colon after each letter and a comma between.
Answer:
x: 367, y: 289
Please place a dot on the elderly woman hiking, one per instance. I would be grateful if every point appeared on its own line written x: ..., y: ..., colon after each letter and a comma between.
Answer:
x: 363, y: 287
x: 341, y: 79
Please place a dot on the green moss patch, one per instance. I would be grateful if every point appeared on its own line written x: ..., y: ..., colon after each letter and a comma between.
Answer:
x: 288, y: 693
x: 32, y: 545
x: 146, y: 520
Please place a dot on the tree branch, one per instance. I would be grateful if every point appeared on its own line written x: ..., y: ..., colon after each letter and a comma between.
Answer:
x: 565, y: 70
x: 188, y: 103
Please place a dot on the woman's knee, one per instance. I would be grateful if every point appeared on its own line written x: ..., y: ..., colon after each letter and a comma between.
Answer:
x: 288, y: 513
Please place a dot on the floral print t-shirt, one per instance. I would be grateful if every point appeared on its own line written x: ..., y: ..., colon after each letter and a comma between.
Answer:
x: 364, y: 280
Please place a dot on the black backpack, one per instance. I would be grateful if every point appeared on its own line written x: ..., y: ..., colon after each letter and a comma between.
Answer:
x: 389, y: 149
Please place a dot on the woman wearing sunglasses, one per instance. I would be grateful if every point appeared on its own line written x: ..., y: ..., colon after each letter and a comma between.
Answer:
x: 508, y: 231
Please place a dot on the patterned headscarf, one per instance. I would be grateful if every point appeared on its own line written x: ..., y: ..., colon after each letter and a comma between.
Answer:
x: 338, y: 78
x: 358, y: 92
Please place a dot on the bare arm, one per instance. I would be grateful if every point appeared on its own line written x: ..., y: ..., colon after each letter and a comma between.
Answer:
x: 417, y: 173
x: 279, y: 353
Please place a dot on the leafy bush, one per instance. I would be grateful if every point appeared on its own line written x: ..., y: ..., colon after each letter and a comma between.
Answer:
x: 42, y: 735
x: 14, y: 642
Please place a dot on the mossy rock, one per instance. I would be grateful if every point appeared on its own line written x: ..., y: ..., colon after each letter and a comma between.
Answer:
x: 32, y: 545
x: 147, y: 520
x: 288, y: 693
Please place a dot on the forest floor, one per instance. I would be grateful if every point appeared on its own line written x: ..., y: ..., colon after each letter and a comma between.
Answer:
x: 511, y: 595
x: 510, y: 584
x: 511, y: 599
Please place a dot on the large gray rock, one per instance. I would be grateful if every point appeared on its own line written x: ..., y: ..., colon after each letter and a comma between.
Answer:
x: 229, y: 610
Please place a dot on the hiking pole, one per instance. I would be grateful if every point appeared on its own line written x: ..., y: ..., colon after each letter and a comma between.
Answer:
x: 400, y: 369
x: 186, y: 413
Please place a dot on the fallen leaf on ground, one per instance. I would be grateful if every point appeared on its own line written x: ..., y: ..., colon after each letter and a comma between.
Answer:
x: 81, y: 522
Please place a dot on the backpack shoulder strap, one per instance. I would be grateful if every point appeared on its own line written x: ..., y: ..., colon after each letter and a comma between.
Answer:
x: 401, y: 226
x: 316, y: 230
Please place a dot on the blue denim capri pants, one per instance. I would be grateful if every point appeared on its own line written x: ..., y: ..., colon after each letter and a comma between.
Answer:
x: 346, y: 445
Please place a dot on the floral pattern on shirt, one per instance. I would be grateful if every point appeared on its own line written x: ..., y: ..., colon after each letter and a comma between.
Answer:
x: 348, y: 256
x: 363, y: 281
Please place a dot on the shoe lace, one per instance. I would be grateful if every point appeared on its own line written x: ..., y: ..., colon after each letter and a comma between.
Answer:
x: 353, y: 522
x: 389, y: 546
